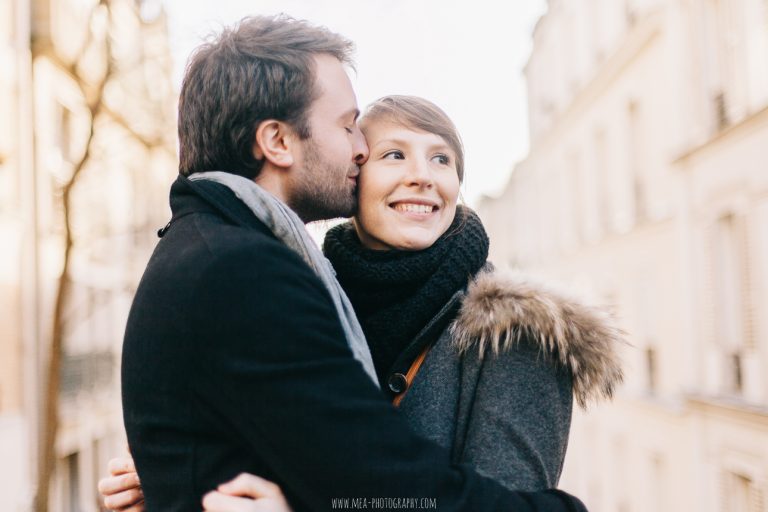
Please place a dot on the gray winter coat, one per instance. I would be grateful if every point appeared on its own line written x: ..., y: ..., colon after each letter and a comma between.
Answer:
x: 497, y: 387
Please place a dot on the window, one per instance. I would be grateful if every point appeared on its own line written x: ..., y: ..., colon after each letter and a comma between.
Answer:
x: 645, y: 327
x: 630, y: 13
x: 636, y: 155
x: 728, y: 285
x: 720, y: 109
x: 735, y: 372
x: 658, y: 479
x: 620, y: 470
x: 725, y: 35
x: 731, y: 297
x: 603, y: 181
x: 578, y: 182
x: 597, y: 13
x: 71, y: 478
x: 651, y: 369
x: 765, y: 14
x: 741, y: 494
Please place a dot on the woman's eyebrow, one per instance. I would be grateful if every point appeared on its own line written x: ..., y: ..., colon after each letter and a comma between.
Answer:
x: 440, y: 145
x: 404, y: 142
x: 400, y: 142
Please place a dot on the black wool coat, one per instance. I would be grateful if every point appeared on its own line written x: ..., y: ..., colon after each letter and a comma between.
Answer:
x: 234, y: 360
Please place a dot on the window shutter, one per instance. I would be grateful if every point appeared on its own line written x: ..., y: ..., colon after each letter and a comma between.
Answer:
x: 748, y: 300
x: 723, y: 491
x: 756, y: 503
x: 707, y: 312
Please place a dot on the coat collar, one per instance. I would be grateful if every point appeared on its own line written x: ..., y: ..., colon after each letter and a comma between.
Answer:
x: 204, y: 196
x: 429, y: 333
x: 500, y: 309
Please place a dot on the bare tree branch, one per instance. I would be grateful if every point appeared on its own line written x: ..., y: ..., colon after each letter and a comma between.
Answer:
x: 51, y: 398
x: 120, y: 120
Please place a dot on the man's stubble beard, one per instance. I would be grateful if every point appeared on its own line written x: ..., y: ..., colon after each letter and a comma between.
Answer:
x: 321, y: 189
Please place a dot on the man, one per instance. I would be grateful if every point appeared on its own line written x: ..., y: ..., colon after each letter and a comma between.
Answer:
x: 240, y: 354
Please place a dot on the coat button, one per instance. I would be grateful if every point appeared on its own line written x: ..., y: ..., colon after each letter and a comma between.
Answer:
x: 397, y: 383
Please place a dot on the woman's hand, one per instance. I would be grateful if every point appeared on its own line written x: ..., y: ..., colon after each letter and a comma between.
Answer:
x: 246, y: 493
x: 122, y: 489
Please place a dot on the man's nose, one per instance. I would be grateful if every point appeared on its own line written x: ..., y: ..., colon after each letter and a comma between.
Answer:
x: 360, y: 148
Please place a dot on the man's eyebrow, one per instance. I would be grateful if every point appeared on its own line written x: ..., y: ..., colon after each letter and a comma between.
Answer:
x: 355, y: 112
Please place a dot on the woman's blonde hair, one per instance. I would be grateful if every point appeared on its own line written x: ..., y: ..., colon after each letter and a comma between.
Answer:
x: 420, y: 114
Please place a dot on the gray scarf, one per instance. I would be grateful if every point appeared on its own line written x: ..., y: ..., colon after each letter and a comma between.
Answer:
x: 289, y: 229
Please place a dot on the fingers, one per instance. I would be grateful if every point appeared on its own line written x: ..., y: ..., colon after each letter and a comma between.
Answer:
x: 114, y: 484
x: 138, y: 507
x: 246, y: 493
x: 121, y: 491
x: 252, y: 486
x: 127, y: 500
x: 216, y: 501
x: 135, y: 508
x: 121, y: 466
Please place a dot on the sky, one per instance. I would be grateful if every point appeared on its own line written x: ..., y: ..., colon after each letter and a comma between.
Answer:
x: 467, y: 56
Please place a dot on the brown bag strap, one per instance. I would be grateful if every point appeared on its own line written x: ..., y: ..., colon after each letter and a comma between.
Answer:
x: 412, y: 371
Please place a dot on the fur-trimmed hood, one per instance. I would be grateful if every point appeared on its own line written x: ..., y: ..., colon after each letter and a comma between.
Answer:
x: 500, y: 308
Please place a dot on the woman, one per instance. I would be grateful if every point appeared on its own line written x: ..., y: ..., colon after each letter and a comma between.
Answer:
x: 482, y: 363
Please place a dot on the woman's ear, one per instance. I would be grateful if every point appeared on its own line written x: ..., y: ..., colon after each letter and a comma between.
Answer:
x: 276, y: 142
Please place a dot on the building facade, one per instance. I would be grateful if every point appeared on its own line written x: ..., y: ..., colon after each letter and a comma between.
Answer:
x: 86, y: 95
x: 15, y: 214
x: 646, y: 187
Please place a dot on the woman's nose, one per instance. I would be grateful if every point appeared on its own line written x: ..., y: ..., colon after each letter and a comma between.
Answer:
x: 419, y: 173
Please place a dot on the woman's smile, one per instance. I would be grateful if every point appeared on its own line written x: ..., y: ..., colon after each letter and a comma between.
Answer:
x: 416, y: 208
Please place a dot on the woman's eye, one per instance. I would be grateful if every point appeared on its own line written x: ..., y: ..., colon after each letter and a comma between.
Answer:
x: 349, y: 129
x: 394, y: 155
x: 441, y: 159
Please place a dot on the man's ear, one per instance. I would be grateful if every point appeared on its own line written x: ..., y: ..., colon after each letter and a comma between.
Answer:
x: 275, y: 141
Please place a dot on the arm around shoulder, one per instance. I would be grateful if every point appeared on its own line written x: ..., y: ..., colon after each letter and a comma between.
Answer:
x: 273, y: 361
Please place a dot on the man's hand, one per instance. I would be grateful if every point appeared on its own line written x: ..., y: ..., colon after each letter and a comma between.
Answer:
x: 122, y: 490
x: 246, y: 493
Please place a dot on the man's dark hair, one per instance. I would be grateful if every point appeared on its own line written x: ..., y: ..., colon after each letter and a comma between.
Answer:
x: 261, y: 68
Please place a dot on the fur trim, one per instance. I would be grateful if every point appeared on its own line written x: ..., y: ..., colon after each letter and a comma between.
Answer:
x: 499, y: 309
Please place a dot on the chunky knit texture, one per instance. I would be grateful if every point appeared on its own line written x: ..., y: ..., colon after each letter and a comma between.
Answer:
x: 395, y: 293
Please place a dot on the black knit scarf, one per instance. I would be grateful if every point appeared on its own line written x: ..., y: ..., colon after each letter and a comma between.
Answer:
x: 395, y: 293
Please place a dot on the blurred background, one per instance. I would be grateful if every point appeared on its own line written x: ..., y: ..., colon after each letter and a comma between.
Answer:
x: 617, y: 146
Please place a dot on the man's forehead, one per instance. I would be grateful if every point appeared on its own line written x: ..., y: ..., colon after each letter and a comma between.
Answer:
x: 335, y: 94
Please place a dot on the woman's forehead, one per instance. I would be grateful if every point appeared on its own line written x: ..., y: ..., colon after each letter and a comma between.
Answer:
x: 380, y: 130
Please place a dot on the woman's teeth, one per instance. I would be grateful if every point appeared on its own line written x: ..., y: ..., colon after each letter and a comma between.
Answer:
x: 413, y: 208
